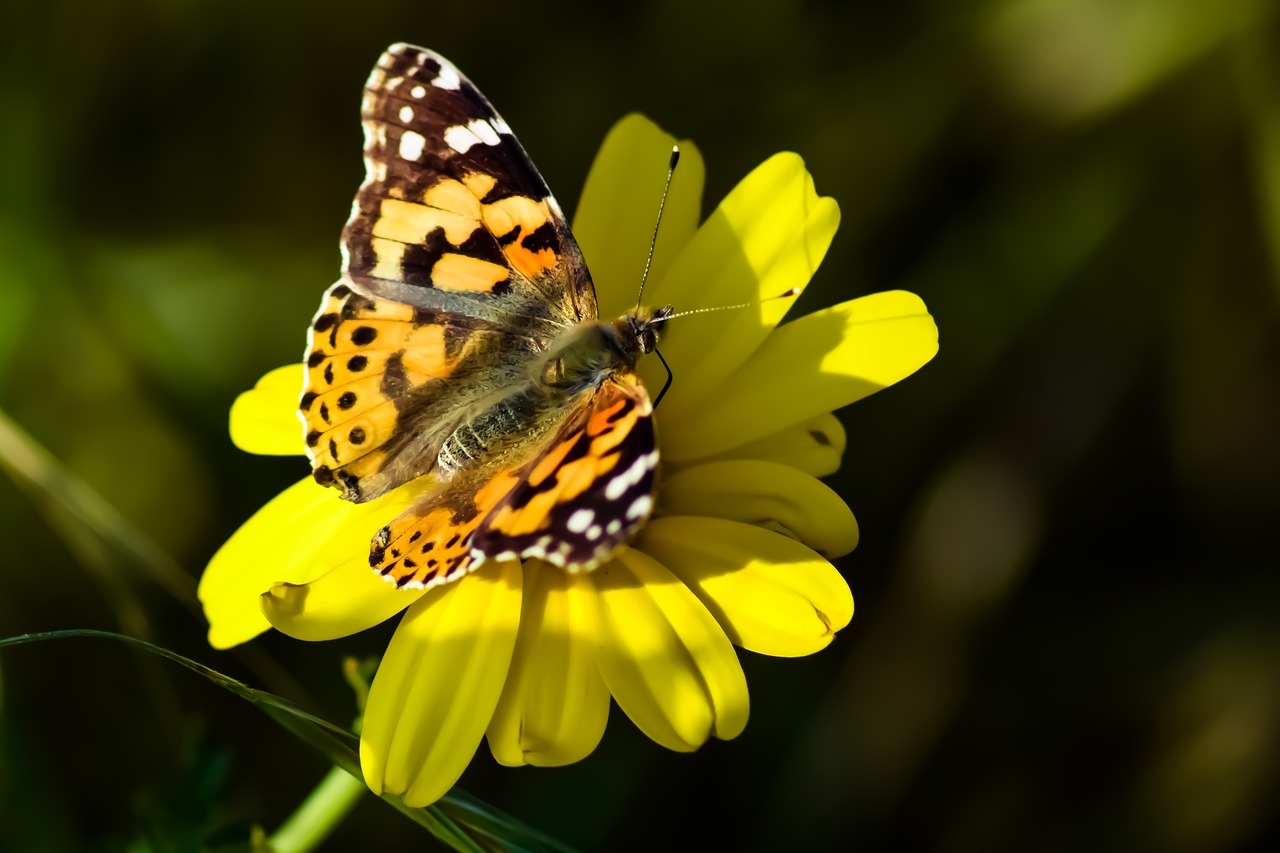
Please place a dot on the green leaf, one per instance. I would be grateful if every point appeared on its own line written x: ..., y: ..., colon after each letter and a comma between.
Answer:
x: 459, y: 820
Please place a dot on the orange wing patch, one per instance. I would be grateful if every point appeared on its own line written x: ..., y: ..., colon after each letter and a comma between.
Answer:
x: 365, y: 356
x: 526, y: 231
x: 459, y: 272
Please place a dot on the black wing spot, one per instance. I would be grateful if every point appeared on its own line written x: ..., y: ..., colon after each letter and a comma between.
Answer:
x: 352, y: 484
x: 315, y: 358
x: 325, y: 322
x: 340, y: 292
x: 347, y: 400
x: 323, y: 475
x: 480, y: 245
x: 333, y: 449
x: 328, y: 373
x: 324, y: 412
x: 542, y: 237
x: 356, y: 436
x: 313, y: 438
x: 364, y: 335
x: 357, y: 363
x: 307, y: 399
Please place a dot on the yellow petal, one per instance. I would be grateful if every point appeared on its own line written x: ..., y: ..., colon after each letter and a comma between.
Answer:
x: 665, y: 660
x: 555, y: 705
x: 770, y: 594
x: 438, y: 684
x: 765, y: 494
x: 264, y: 419
x: 302, y: 534
x: 347, y: 600
x: 815, y: 446
x: 766, y: 237
x: 815, y: 364
x: 619, y: 208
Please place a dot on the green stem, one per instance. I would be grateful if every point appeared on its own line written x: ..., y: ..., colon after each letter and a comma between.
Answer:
x: 320, y: 813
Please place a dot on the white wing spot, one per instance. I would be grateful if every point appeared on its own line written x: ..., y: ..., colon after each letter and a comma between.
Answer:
x: 460, y: 138
x: 406, y: 115
x: 640, y: 507
x: 484, y: 131
x: 500, y: 125
x: 418, y: 91
x: 613, y: 526
x: 631, y: 477
x: 447, y: 78
x: 594, y: 531
x: 411, y: 145
x: 581, y: 520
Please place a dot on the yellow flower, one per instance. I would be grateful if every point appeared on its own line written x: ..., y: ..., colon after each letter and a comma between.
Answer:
x: 736, y: 553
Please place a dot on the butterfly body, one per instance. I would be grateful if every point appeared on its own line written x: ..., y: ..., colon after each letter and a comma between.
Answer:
x: 462, y: 349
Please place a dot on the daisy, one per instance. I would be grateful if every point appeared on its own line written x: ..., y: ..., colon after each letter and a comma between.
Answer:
x: 737, y: 551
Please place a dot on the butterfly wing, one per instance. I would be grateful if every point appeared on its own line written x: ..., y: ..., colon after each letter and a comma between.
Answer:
x: 452, y: 212
x: 377, y: 405
x: 573, y: 504
x: 458, y: 269
x: 587, y: 492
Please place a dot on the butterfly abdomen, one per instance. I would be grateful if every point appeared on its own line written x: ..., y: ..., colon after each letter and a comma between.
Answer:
x: 483, y: 439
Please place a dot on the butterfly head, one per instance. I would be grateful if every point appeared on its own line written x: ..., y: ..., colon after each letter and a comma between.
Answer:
x: 641, y: 329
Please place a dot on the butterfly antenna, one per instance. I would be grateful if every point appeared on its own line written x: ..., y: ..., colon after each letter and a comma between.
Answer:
x: 648, y: 262
x: 795, y: 291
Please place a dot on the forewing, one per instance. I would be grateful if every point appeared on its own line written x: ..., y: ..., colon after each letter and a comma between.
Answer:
x: 452, y: 214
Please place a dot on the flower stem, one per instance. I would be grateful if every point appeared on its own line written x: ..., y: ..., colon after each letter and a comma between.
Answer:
x: 320, y: 813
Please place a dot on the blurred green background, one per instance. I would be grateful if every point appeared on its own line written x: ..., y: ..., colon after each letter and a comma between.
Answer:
x: 1067, y: 633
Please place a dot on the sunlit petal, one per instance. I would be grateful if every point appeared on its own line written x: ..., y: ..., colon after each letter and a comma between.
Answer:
x: 619, y: 208
x: 815, y: 446
x: 767, y: 494
x: 768, y: 235
x: 771, y: 594
x: 264, y: 419
x: 815, y: 364
x: 667, y: 662
x: 555, y: 705
x: 438, y: 684
x: 304, y: 533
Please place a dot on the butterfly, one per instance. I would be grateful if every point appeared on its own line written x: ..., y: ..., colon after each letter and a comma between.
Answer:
x: 462, y: 348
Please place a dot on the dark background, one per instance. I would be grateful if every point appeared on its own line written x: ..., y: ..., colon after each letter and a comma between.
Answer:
x: 1067, y: 633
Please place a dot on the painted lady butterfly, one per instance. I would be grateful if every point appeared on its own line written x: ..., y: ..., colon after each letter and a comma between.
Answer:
x: 463, y: 346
